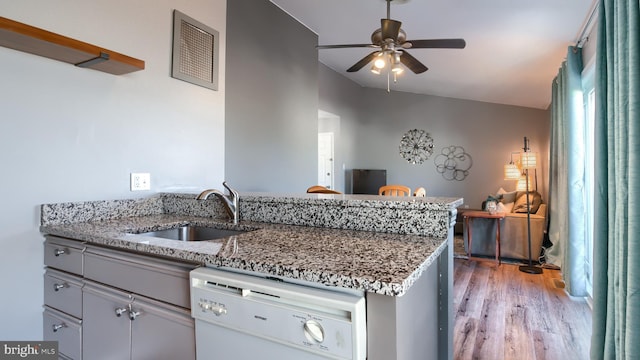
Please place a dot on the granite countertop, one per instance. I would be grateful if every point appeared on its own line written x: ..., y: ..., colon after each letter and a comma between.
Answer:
x: 381, y: 263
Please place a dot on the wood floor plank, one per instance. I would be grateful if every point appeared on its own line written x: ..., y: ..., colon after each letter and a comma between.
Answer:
x: 461, y: 276
x: 464, y: 341
x: 490, y: 340
x: 518, y: 342
x: 549, y: 346
x: 471, y: 302
x: 537, y: 306
x: 502, y: 313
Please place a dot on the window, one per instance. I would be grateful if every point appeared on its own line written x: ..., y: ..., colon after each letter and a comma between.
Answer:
x: 588, y: 87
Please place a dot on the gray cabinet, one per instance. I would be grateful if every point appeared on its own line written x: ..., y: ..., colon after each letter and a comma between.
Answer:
x: 105, y: 323
x: 62, y: 314
x: 159, y: 328
x: 104, y: 303
x: 64, y: 254
x: 63, y: 292
x: 161, y: 279
x: 65, y: 329
x: 131, y: 326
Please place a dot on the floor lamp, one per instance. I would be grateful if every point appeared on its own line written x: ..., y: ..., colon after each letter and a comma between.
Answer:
x: 528, y: 161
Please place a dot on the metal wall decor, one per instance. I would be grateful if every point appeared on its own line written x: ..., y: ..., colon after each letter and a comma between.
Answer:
x: 416, y: 146
x: 453, y: 163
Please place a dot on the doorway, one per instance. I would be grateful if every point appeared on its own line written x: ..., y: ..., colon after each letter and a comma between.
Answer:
x: 328, y: 142
x: 325, y: 160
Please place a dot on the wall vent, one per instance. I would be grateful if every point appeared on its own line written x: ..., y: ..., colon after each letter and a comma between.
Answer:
x: 195, y: 51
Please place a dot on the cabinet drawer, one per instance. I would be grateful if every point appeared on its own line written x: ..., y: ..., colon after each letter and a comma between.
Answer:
x: 63, y: 292
x: 64, y: 329
x: 156, y: 278
x: 63, y: 254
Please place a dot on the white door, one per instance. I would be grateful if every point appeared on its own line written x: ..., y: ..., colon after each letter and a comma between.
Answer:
x: 325, y: 159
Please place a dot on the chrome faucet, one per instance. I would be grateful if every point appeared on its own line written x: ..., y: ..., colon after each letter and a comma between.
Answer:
x: 230, y: 201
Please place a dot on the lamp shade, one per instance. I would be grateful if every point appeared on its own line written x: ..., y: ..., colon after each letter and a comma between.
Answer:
x: 511, y: 172
x: 528, y: 160
x: 521, y: 185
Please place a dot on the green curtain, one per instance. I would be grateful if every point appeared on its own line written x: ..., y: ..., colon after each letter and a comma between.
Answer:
x: 616, y: 297
x: 567, y: 220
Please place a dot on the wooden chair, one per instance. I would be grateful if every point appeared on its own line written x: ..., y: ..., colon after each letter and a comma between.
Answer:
x: 394, y: 190
x: 420, y: 192
x: 319, y: 189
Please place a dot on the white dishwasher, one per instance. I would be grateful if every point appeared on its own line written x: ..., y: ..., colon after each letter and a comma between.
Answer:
x: 242, y: 317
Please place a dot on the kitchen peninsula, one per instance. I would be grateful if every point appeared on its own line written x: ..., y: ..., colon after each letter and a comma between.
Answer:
x: 397, y: 250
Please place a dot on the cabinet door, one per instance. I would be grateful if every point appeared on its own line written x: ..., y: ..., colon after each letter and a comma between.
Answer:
x: 105, y: 323
x: 161, y: 331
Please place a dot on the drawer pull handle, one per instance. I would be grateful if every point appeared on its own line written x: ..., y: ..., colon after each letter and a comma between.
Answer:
x: 57, y: 287
x: 120, y: 311
x: 57, y: 327
x: 59, y: 252
x: 133, y: 314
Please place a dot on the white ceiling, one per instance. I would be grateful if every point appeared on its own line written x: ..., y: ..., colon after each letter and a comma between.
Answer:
x: 513, y: 52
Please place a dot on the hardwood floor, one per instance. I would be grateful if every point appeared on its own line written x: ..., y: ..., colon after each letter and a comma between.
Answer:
x: 502, y: 313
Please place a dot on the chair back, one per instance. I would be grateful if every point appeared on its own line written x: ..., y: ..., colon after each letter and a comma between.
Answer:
x: 319, y: 189
x: 420, y: 192
x: 394, y: 190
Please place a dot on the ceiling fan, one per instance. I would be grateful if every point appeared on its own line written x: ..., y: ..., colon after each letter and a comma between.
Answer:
x: 392, y: 43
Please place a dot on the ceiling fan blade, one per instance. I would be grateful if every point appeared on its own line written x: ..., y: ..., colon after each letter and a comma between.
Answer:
x: 435, y: 44
x: 346, y: 46
x: 412, y: 63
x: 364, y: 61
x: 390, y: 29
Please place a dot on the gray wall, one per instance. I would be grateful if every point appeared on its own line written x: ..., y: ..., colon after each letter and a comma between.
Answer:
x: 272, y: 99
x: 72, y: 134
x: 275, y: 88
x: 373, y: 122
x: 342, y: 98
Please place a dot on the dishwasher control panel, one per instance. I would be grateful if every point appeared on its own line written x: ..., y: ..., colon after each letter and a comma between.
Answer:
x: 324, y: 322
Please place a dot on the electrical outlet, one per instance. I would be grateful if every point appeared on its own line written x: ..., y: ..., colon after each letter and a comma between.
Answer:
x: 140, y: 181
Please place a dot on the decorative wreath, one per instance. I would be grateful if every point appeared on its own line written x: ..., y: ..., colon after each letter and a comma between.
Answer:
x: 416, y: 146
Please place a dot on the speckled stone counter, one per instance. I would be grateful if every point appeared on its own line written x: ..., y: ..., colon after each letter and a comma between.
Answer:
x: 379, y: 245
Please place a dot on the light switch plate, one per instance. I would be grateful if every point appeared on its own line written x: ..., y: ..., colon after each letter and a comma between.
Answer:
x: 140, y: 181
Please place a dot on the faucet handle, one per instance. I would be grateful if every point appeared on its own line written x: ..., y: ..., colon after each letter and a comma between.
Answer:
x: 234, y: 194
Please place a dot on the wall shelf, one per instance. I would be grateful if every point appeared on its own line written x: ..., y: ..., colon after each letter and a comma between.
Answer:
x: 23, y: 37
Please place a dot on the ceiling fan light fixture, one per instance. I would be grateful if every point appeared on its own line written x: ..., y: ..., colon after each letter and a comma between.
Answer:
x: 396, y: 57
x: 391, y: 40
x: 375, y: 70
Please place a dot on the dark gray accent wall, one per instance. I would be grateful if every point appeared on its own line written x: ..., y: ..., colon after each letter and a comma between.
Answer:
x: 271, y: 120
x: 373, y: 122
x: 275, y: 87
x: 342, y: 98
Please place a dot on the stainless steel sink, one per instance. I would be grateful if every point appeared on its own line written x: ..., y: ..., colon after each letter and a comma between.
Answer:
x: 193, y: 233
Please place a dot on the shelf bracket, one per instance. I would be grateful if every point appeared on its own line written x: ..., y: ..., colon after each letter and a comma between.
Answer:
x: 89, y: 63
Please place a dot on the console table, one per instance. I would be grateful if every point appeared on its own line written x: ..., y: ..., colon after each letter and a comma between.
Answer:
x: 470, y: 215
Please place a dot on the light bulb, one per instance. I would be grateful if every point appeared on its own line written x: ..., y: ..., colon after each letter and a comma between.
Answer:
x: 396, y: 57
x: 379, y: 63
